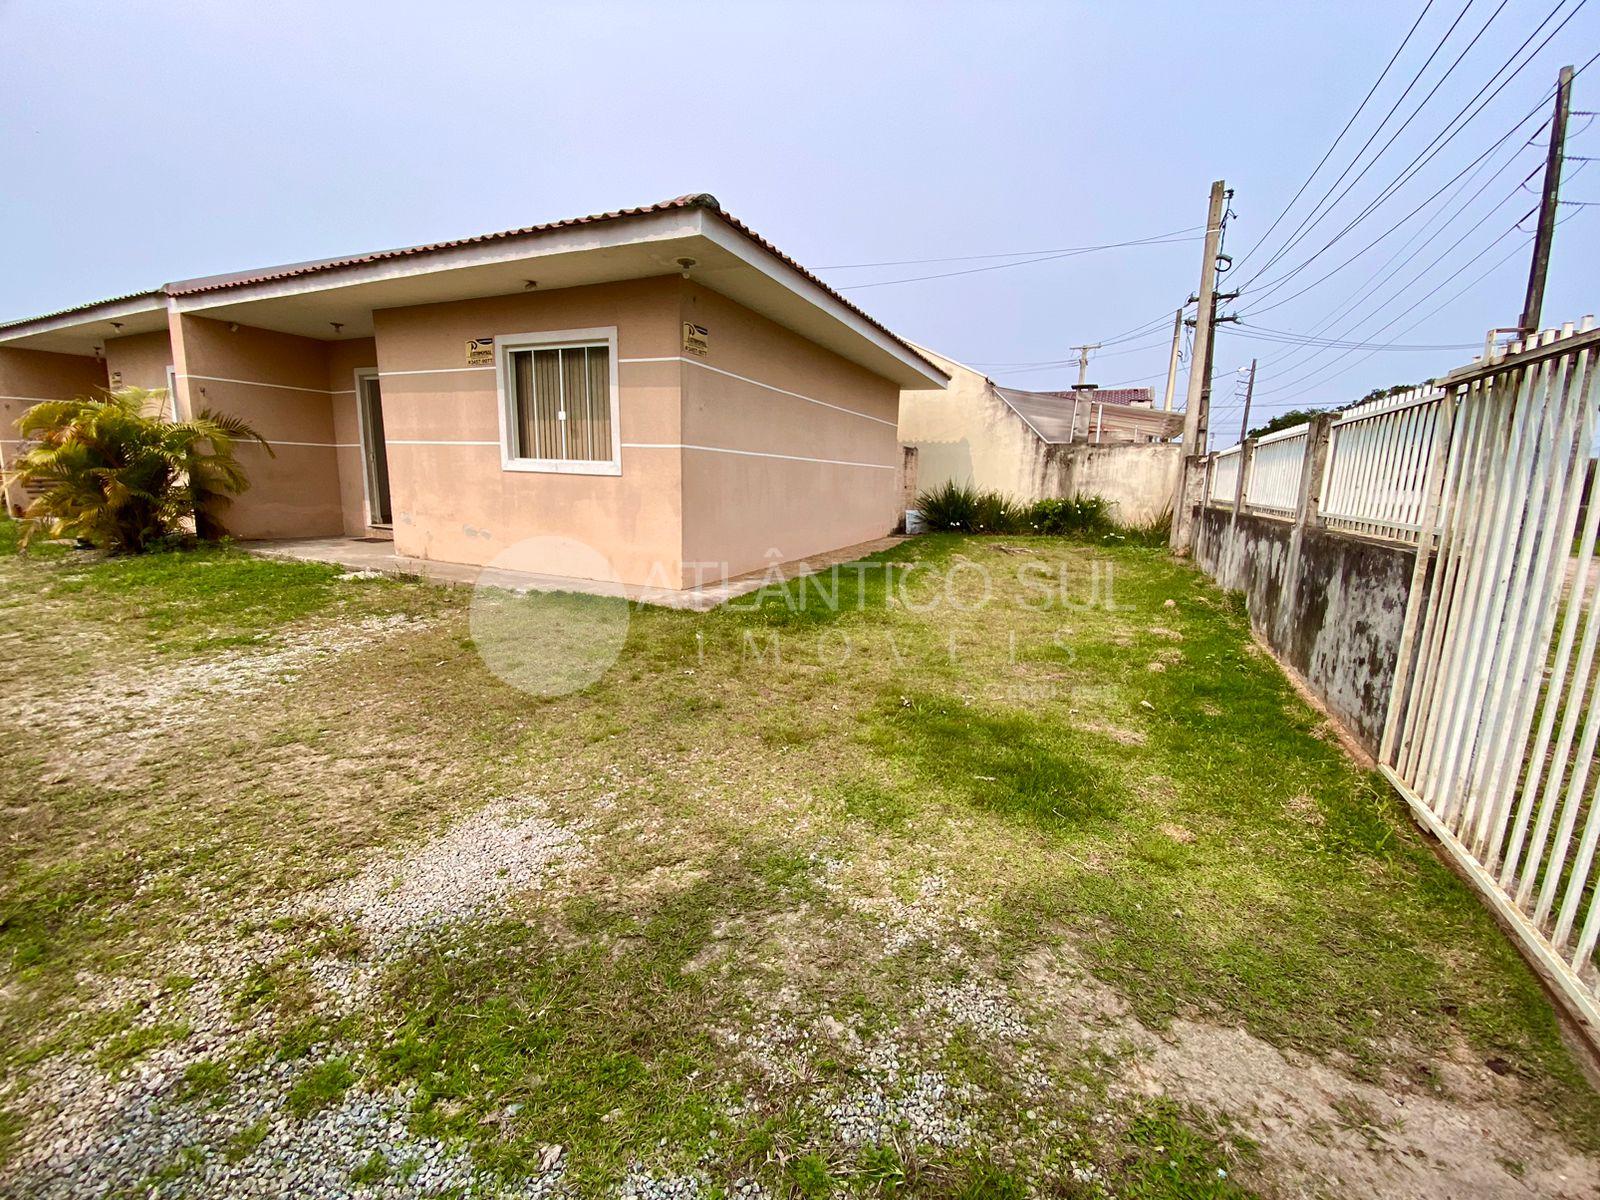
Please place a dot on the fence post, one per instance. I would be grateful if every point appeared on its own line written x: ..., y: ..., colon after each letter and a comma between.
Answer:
x: 1308, y: 507
x: 1307, y: 513
x: 1247, y: 454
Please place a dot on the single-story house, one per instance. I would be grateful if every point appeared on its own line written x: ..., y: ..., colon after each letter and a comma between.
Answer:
x: 1034, y: 445
x: 658, y: 384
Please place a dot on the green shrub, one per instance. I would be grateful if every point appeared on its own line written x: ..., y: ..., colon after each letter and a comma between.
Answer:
x: 115, y: 472
x: 1156, y: 532
x: 957, y: 507
x: 1070, y: 515
x: 951, y: 505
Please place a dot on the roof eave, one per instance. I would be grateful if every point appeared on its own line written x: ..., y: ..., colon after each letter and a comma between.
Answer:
x: 86, y: 317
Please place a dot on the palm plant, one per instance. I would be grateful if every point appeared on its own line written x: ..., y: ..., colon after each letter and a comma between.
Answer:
x: 113, y: 471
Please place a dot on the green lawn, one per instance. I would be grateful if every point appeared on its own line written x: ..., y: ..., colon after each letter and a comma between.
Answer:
x: 976, y: 858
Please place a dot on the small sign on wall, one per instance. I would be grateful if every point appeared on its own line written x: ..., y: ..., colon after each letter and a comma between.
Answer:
x: 480, y: 352
x: 115, y: 380
x: 696, y: 339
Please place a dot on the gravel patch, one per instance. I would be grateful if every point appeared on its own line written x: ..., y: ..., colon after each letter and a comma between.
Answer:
x: 130, y: 708
x: 981, y: 1007
x: 468, y: 872
x: 141, y: 1133
x: 640, y: 1185
x: 931, y: 916
x: 137, y: 1136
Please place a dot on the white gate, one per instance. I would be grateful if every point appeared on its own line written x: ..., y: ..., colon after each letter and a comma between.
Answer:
x: 1494, y: 718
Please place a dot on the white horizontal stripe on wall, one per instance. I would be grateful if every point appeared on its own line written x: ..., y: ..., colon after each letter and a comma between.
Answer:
x: 282, y: 387
x: 831, y: 462
x: 275, y: 443
x: 34, y: 399
x: 431, y: 371
x: 695, y: 362
x: 442, y: 442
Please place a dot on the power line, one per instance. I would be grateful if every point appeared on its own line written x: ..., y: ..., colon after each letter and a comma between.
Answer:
x: 1311, y: 217
x: 1404, y: 312
x: 1367, y: 287
x: 1414, y: 280
x: 1440, y: 141
x: 1296, y: 339
x: 1278, y: 283
x: 1159, y: 240
x: 911, y: 262
x: 1360, y: 108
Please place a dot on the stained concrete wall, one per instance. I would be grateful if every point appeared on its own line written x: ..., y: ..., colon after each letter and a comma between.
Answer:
x: 967, y: 434
x: 1329, y: 603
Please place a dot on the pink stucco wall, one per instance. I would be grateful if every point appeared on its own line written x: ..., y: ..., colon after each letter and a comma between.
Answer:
x: 28, y: 376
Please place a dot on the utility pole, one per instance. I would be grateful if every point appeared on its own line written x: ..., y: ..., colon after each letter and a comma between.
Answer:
x: 1200, y: 361
x: 1172, y: 363
x: 1249, y: 394
x: 1547, y: 205
x: 1083, y: 362
x: 1199, y: 394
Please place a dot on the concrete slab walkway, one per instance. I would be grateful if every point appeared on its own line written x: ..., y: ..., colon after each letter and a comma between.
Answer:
x: 361, y: 554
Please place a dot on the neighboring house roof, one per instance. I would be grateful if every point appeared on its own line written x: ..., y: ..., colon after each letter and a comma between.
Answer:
x: 1053, y: 415
x: 1136, y: 395
x: 696, y: 200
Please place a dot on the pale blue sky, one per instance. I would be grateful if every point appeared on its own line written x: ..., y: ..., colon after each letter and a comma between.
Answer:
x: 145, y: 142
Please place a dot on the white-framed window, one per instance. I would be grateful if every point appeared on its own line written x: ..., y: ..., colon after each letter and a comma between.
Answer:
x: 558, y: 401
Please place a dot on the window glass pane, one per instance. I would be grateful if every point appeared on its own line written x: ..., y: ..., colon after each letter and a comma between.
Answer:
x: 522, y: 401
x: 561, y: 403
x: 598, y: 360
x: 546, y: 403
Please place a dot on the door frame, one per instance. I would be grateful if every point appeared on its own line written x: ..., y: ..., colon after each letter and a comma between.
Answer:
x: 368, y: 483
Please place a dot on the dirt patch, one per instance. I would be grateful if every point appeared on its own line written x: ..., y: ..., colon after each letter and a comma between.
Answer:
x: 1320, y: 1131
x: 1123, y: 737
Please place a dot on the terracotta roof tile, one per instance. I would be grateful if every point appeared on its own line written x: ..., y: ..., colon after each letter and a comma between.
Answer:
x: 703, y: 200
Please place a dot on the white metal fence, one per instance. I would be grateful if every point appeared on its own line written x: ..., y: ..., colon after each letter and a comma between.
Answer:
x: 1272, y: 482
x: 1378, y: 456
x: 1494, y: 718
x: 1225, y: 475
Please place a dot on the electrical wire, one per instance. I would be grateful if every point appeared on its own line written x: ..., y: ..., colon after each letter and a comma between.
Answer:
x: 1404, y: 289
x: 1310, y: 219
x: 1402, y: 313
x: 1451, y: 130
x: 1160, y: 240
x: 1401, y: 257
x: 1515, y: 250
x: 912, y: 262
x: 1328, y: 153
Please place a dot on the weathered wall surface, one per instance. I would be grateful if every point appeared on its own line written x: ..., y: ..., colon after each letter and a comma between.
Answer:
x: 1138, y: 480
x: 1330, y: 604
x: 788, y: 449
x: 29, y: 376
x: 969, y: 435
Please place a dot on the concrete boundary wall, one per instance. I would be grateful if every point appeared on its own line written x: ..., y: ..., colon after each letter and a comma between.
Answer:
x: 1330, y: 604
